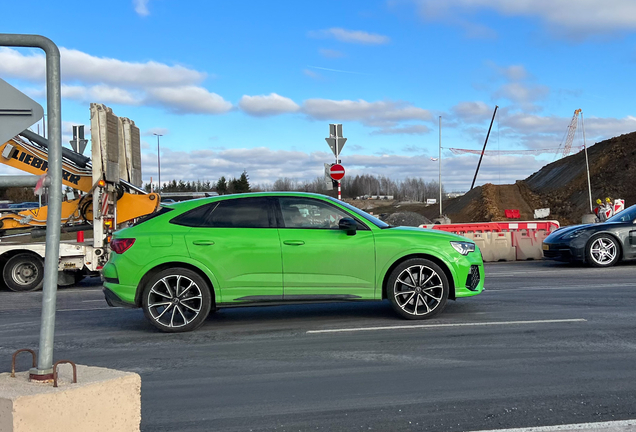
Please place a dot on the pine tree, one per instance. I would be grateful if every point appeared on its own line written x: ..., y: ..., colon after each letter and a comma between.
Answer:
x: 242, y: 185
x: 221, y: 186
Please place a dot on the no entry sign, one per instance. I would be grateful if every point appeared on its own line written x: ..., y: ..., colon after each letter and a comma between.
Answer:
x: 336, y: 172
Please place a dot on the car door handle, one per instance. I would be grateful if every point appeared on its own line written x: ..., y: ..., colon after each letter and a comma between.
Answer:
x: 203, y: 242
x: 294, y: 242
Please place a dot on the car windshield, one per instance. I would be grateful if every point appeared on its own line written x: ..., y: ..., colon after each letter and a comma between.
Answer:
x: 374, y: 220
x: 625, y: 216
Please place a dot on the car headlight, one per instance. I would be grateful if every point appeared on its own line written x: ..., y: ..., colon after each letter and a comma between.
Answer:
x: 463, y: 248
x: 573, y: 234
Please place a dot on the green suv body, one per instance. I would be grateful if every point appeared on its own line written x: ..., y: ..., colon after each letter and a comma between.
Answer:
x: 275, y: 248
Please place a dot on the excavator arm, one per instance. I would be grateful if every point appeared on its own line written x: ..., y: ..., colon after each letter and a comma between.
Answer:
x: 32, y: 158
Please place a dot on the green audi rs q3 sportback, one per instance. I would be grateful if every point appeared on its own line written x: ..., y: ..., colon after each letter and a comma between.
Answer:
x: 190, y: 258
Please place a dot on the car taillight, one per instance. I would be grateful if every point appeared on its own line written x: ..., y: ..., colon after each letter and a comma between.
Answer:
x: 121, y: 245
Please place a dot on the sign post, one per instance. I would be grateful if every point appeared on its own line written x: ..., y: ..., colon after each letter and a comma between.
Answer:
x: 336, y: 142
x: 44, y: 369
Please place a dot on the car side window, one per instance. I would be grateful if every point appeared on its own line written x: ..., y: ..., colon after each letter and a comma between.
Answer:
x: 298, y: 212
x: 241, y: 213
x: 195, y: 217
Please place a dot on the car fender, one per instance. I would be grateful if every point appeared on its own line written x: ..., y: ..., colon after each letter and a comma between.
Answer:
x: 186, y: 260
x: 616, y: 234
x: 437, y: 253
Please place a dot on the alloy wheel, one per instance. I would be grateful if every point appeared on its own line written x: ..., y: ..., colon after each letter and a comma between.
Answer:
x: 174, y: 301
x: 418, y: 290
x: 603, y: 251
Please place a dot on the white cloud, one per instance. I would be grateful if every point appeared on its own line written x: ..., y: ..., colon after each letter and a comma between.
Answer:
x: 472, y: 112
x: 312, y: 74
x: 523, y: 94
x: 79, y: 66
x: 351, y: 36
x: 155, y: 130
x: 267, y: 105
x: 408, y: 130
x: 102, y: 93
x: 578, y: 19
x: 141, y: 7
x: 88, y: 78
x: 330, y: 53
x: 187, y: 100
x: 380, y: 114
x: 265, y: 166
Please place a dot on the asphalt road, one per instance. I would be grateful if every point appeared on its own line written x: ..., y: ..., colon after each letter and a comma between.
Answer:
x: 545, y: 344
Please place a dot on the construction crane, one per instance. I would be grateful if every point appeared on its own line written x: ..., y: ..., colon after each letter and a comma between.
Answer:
x: 110, y: 198
x: 570, y: 135
x: 28, y: 155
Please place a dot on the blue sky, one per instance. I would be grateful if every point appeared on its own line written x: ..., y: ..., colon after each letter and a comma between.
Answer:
x: 253, y: 85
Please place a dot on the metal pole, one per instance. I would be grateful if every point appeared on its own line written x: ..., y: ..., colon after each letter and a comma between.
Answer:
x: 158, y: 163
x: 440, y: 165
x: 337, y: 161
x: 44, y: 369
x: 587, y: 166
x: 484, y: 149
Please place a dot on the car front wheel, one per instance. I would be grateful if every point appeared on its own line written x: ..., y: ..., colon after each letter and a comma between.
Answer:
x: 177, y: 300
x: 603, y: 251
x: 418, y: 289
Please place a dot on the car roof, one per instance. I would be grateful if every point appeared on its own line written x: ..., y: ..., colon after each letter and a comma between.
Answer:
x: 199, y: 201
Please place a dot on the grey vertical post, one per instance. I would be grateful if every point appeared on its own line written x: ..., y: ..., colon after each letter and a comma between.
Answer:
x: 440, y: 166
x: 53, y: 221
x: 587, y: 166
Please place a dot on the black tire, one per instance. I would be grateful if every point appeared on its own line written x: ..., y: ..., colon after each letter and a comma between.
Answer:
x: 602, y: 251
x: 422, y: 295
x: 24, y: 272
x: 171, y: 305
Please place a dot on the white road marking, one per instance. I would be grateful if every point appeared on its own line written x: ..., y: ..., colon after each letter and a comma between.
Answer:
x: 446, y: 325
x: 563, y: 287
x: 624, y: 425
x: 18, y: 324
x: 100, y: 300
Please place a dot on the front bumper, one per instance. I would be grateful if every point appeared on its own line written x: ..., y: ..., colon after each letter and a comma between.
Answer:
x: 565, y: 252
x: 469, y: 275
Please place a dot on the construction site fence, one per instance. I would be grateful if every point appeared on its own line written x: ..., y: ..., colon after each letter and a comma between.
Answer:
x: 504, y: 241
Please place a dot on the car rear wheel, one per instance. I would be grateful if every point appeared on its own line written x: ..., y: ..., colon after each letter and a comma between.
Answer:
x: 603, y: 251
x: 177, y: 300
x: 418, y: 289
x: 24, y: 272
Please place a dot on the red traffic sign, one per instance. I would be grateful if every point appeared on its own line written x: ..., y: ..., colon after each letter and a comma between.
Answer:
x: 336, y: 172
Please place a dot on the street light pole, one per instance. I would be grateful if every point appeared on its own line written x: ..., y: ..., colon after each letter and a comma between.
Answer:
x: 158, y: 161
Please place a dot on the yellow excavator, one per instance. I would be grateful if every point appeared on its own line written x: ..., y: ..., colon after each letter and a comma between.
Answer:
x: 30, y: 156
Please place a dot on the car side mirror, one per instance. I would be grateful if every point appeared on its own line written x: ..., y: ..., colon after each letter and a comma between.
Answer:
x: 349, y: 225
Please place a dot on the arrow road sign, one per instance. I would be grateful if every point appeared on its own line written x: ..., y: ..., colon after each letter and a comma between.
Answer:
x: 17, y: 111
x: 332, y: 145
x: 78, y: 142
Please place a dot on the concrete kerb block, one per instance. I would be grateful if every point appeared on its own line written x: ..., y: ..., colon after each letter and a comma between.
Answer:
x: 101, y: 400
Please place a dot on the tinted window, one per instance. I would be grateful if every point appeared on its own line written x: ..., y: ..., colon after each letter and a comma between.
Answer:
x: 627, y: 215
x: 377, y: 222
x: 241, y: 213
x: 310, y: 213
x: 195, y: 217
x: 146, y: 218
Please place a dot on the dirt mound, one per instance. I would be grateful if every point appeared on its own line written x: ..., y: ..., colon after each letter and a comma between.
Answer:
x: 560, y: 186
x: 406, y: 218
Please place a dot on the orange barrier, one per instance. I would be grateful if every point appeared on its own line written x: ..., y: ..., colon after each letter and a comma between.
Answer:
x: 504, y: 241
